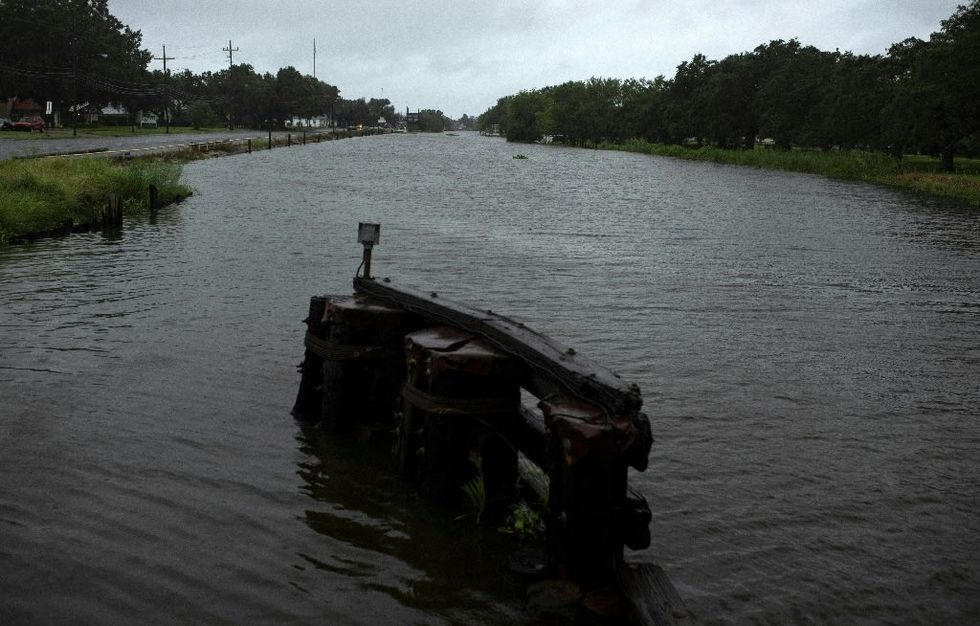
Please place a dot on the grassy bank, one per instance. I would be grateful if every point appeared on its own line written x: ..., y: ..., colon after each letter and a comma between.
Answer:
x: 45, y: 195
x: 916, y: 173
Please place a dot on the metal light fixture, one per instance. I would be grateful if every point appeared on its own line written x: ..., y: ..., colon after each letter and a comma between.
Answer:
x: 368, y: 235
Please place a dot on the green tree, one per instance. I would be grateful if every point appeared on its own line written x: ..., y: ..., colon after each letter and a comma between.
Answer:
x: 643, y: 102
x: 936, y: 101
x: 380, y: 108
x: 522, y: 116
x: 70, y: 51
x: 683, y: 109
x: 848, y: 112
x: 433, y: 121
x: 794, y: 78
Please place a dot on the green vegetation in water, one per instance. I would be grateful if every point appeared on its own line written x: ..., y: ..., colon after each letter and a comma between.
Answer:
x: 523, y: 522
x: 520, y: 156
x: 44, y: 195
x: 476, y: 489
x: 476, y: 494
x: 917, y: 173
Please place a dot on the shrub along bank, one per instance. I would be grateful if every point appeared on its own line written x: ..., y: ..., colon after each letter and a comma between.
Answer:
x: 46, y: 195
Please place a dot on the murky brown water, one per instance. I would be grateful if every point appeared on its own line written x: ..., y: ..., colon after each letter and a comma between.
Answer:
x: 808, y: 352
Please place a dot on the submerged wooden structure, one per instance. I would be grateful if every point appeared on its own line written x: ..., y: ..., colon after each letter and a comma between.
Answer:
x: 454, y: 383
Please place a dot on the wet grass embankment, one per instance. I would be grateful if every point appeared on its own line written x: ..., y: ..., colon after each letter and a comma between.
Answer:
x: 48, y: 195
x: 917, y: 173
x: 41, y: 196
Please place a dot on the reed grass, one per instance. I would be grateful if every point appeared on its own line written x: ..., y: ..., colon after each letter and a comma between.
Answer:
x: 46, y: 195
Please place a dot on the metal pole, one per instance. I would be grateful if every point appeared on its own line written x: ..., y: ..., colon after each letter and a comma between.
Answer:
x: 367, y: 260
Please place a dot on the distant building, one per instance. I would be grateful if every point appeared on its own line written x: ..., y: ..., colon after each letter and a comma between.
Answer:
x: 413, y: 121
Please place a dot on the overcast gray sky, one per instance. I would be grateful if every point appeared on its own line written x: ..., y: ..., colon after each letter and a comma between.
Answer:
x: 460, y: 57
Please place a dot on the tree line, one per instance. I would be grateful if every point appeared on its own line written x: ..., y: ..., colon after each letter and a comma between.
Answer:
x: 923, y: 96
x: 76, y: 54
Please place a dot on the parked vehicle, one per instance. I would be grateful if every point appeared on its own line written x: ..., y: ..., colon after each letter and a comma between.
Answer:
x: 30, y: 123
x: 6, y: 124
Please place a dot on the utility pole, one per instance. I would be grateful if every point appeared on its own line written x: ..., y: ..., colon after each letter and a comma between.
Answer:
x: 231, y: 63
x: 230, y: 50
x: 166, y: 81
x: 314, y: 57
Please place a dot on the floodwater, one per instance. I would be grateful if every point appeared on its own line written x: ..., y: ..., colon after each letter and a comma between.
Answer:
x: 808, y: 351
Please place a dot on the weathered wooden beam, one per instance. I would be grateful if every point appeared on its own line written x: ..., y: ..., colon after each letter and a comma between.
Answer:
x: 550, y: 360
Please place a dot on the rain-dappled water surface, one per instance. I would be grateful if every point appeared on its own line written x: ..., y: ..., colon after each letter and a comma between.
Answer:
x: 808, y: 352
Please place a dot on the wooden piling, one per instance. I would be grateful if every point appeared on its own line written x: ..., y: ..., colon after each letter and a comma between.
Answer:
x: 362, y: 362
x: 588, y: 489
x: 250, y: 145
x: 461, y: 394
x: 309, y: 398
x: 154, y: 198
x: 112, y: 212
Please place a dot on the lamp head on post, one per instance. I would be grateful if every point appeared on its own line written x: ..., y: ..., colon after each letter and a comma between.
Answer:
x: 368, y: 235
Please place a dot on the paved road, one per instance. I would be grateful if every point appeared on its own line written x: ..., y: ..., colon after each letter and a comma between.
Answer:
x: 143, y: 143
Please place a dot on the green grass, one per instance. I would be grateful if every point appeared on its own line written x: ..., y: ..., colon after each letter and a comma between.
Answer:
x: 916, y: 172
x: 45, y: 195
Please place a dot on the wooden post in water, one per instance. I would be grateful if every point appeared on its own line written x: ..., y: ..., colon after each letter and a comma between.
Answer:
x: 270, y: 138
x: 289, y: 139
x: 460, y: 395
x: 112, y: 213
x: 250, y: 145
x: 307, y: 406
x: 154, y: 199
x: 304, y: 137
x: 362, y: 362
x: 587, y: 490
